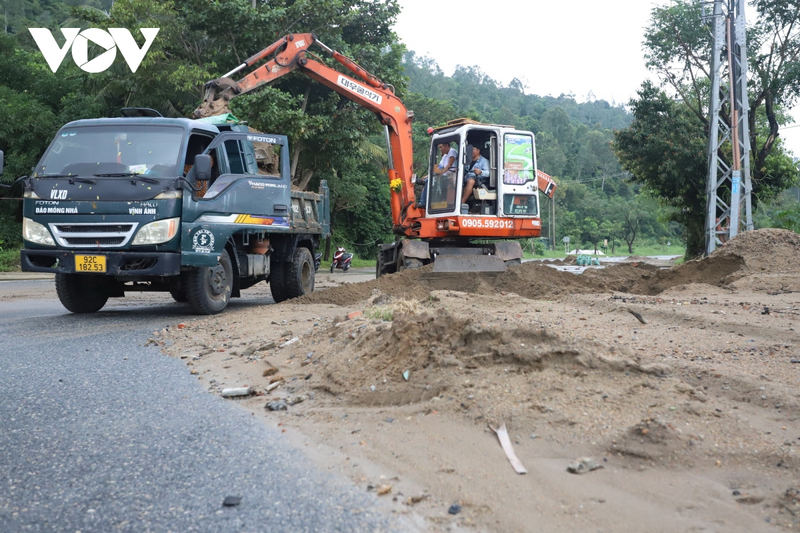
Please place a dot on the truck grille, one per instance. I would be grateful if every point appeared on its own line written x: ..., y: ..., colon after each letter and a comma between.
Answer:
x: 103, y: 228
x: 93, y: 235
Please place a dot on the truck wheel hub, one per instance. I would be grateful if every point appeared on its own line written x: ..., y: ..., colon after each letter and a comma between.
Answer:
x: 217, y: 280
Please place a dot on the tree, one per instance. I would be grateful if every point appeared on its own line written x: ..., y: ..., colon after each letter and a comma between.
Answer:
x: 677, y: 49
x: 664, y: 149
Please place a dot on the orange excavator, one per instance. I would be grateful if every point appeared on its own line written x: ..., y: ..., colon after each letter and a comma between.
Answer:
x: 481, y: 234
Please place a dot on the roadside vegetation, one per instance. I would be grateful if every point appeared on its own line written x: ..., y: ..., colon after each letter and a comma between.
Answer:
x: 9, y: 260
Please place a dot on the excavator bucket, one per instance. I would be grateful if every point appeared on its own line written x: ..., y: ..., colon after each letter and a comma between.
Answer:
x: 215, y: 101
x: 469, y: 263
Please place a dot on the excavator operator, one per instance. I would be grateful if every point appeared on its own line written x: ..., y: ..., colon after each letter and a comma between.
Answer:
x: 478, y: 172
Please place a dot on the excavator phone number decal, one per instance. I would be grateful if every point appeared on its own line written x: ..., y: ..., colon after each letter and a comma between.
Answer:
x: 489, y: 223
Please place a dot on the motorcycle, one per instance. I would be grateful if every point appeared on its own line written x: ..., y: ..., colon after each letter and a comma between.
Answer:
x: 341, y: 259
x: 317, y: 260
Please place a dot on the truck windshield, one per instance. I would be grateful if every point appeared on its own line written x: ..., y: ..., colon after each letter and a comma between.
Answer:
x: 123, y: 150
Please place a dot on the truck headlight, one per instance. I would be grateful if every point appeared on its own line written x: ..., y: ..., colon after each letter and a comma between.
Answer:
x: 158, y: 232
x: 35, y: 232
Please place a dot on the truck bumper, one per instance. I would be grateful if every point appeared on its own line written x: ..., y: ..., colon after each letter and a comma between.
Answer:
x: 117, y: 263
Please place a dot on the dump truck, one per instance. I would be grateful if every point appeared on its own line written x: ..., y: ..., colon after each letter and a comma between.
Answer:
x: 484, y: 236
x: 147, y: 203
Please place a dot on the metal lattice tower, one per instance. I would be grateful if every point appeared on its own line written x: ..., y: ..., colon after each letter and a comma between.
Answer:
x: 729, y: 186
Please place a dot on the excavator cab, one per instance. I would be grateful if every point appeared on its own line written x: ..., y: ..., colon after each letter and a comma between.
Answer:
x: 510, y: 189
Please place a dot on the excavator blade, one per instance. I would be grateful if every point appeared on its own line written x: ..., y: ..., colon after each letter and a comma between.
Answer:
x: 469, y: 263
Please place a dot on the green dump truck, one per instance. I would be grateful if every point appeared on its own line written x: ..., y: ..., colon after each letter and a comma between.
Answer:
x: 202, y: 209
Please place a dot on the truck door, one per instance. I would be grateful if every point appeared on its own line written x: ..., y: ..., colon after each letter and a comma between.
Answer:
x: 237, y: 188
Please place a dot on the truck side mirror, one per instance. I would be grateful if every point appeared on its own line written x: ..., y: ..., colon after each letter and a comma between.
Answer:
x: 1, y: 162
x: 202, y: 167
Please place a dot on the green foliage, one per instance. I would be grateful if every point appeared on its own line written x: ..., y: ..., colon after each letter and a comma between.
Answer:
x: 665, y: 150
x: 789, y: 219
x: 9, y: 259
x: 197, y: 41
x: 677, y: 49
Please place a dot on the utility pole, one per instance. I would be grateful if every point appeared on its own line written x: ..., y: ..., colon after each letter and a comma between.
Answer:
x: 729, y: 187
x: 553, y: 222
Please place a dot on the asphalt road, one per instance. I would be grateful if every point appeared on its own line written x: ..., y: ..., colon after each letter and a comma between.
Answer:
x: 100, y: 434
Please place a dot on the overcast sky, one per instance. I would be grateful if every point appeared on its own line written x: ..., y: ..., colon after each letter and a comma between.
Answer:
x: 582, y: 47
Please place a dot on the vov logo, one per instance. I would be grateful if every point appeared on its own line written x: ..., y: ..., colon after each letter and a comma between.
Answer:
x: 113, y: 39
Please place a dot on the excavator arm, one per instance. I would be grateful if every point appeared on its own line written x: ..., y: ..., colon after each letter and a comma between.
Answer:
x: 290, y: 53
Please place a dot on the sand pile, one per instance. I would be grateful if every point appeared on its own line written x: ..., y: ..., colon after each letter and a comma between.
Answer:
x: 413, y: 356
x: 751, y: 260
x: 767, y: 259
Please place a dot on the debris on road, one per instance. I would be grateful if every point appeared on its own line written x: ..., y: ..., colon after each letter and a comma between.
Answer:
x: 454, y: 509
x: 290, y: 341
x: 505, y: 442
x: 385, y: 489
x: 413, y: 500
x: 279, y: 405
x: 638, y: 316
x: 231, y: 501
x: 583, y: 465
x: 237, y: 392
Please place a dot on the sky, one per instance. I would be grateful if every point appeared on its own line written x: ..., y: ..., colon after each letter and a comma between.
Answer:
x: 591, y: 49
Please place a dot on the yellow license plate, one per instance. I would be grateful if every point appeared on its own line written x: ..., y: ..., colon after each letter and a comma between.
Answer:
x: 90, y: 263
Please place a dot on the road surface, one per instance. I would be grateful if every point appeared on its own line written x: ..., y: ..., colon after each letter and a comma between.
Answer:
x: 102, y: 434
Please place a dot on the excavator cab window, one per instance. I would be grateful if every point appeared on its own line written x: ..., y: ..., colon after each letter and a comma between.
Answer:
x: 443, y: 187
x: 518, y: 163
x: 520, y: 204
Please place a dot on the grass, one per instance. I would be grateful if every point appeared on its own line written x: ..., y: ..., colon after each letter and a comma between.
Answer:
x: 9, y: 260
x: 381, y: 313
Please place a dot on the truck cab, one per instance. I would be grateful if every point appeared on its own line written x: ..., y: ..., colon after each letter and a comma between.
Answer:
x: 151, y: 203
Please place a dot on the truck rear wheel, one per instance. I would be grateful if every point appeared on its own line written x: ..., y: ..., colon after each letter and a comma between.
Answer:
x: 290, y: 280
x: 81, y: 293
x: 209, y: 288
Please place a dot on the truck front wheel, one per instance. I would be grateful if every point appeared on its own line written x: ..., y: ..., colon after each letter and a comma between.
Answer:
x: 81, y: 293
x: 290, y: 280
x: 209, y: 288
